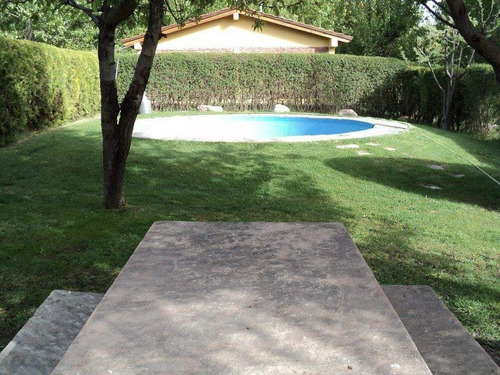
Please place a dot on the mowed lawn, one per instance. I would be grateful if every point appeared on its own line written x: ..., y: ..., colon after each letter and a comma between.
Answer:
x: 54, y: 233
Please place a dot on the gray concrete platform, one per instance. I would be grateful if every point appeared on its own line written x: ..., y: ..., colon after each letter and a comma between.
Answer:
x: 445, y: 345
x: 244, y: 298
x: 40, y: 344
x: 458, y: 354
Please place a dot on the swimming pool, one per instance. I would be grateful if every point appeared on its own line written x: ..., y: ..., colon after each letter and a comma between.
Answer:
x: 255, y: 128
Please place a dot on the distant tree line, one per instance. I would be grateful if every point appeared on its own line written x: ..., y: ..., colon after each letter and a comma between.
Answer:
x: 380, y: 27
x: 389, y: 28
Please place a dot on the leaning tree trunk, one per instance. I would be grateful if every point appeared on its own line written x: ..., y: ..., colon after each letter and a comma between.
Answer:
x: 479, y: 42
x: 117, y: 134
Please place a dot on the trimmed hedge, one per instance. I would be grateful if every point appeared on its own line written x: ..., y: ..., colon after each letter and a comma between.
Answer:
x: 43, y: 86
x: 315, y: 82
x: 372, y: 86
x: 476, y: 102
x: 478, y: 99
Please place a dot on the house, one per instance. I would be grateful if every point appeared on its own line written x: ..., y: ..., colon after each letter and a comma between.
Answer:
x: 232, y: 30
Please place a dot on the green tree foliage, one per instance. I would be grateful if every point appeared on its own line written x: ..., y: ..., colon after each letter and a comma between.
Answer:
x: 477, y: 21
x: 379, y: 27
x: 42, y: 21
x: 440, y: 44
x: 485, y: 15
x: 448, y: 49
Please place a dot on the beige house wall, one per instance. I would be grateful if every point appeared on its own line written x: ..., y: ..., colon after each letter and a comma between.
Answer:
x: 235, y: 35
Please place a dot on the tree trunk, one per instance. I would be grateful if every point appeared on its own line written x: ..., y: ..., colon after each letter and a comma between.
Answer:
x: 448, y: 102
x: 113, y: 155
x: 117, y: 134
x: 444, y: 120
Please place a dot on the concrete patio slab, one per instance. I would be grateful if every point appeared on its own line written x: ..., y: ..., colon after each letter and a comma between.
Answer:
x: 445, y: 345
x: 40, y: 344
x: 244, y: 298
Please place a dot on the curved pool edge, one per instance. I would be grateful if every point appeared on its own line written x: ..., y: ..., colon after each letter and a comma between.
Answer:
x: 144, y: 128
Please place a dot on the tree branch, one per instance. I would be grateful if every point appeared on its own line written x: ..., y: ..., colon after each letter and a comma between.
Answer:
x: 475, y: 38
x: 440, y: 6
x: 172, y: 13
x: 422, y: 52
x: 279, y: 6
x: 88, y: 11
x: 132, y: 100
x: 118, y: 13
x: 436, y: 15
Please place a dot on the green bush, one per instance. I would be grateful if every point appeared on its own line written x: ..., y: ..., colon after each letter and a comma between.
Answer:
x: 476, y: 101
x: 372, y: 86
x: 479, y: 98
x: 317, y: 82
x: 44, y: 86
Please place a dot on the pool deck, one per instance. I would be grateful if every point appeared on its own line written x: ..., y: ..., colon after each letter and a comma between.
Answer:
x: 154, y: 128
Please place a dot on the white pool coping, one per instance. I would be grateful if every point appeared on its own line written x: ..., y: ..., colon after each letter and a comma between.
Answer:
x: 153, y: 128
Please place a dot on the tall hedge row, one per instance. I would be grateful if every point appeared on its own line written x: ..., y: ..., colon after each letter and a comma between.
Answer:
x: 476, y: 101
x: 317, y: 82
x: 372, y: 86
x: 43, y: 86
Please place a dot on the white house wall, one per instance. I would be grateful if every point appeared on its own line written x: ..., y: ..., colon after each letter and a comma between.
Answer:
x: 226, y: 33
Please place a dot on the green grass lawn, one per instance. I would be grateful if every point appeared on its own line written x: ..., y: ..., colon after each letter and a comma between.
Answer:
x: 54, y: 233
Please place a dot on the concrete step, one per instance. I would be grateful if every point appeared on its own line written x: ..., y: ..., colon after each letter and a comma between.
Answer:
x: 446, y: 346
x: 244, y: 298
x: 40, y: 344
x: 246, y: 293
x: 443, y: 342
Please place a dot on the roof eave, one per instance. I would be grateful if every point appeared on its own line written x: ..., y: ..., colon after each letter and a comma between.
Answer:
x: 209, y: 17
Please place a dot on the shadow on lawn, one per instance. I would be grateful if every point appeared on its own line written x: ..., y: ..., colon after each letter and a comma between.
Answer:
x: 492, y: 348
x: 228, y: 183
x: 394, y: 261
x: 487, y: 151
x: 412, y: 175
x: 222, y: 182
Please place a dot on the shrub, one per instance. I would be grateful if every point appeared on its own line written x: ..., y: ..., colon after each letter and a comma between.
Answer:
x: 317, y: 82
x: 479, y: 99
x: 476, y: 101
x: 44, y: 86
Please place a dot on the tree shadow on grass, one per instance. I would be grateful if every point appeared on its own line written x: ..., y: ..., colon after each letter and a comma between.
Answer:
x: 415, y: 176
x: 74, y: 244
x: 492, y: 348
x: 221, y: 182
x: 227, y: 183
x: 486, y: 151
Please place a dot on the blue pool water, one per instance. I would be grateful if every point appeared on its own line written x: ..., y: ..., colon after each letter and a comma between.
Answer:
x: 287, y: 126
x: 235, y: 128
